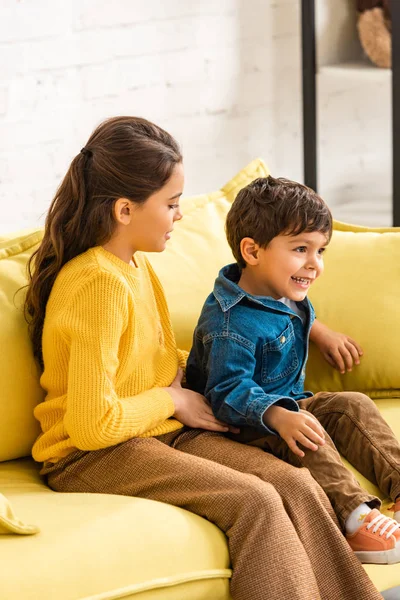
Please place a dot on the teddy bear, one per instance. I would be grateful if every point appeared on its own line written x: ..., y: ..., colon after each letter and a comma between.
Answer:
x: 374, y: 30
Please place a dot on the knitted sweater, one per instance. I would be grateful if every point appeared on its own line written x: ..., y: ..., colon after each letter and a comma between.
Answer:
x: 108, y: 351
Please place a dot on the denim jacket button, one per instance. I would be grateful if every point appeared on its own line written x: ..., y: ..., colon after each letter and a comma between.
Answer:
x: 283, y: 339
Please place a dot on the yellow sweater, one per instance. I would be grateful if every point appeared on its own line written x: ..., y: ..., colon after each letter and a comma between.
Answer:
x: 108, y: 350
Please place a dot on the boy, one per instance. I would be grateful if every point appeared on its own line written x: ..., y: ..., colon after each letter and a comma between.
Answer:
x: 250, y: 350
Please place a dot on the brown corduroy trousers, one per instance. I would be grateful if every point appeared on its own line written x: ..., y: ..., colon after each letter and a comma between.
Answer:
x: 283, y: 536
x: 356, y: 429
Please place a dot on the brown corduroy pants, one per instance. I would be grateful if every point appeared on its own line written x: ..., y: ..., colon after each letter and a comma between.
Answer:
x: 356, y: 429
x: 284, y: 540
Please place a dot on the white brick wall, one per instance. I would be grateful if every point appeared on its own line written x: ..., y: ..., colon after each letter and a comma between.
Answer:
x: 223, y: 76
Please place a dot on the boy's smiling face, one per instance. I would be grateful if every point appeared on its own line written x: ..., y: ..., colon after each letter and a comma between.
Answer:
x: 286, y: 267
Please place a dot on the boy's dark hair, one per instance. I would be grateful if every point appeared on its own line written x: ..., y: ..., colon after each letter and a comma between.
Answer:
x: 268, y: 207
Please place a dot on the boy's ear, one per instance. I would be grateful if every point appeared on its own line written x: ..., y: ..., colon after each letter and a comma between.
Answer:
x: 249, y: 250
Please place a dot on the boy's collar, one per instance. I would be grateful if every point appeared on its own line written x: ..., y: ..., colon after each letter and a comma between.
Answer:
x: 228, y: 293
x: 226, y: 289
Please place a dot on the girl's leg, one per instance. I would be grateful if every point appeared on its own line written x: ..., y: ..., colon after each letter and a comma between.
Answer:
x: 268, y: 557
x: 361, y: 435
x: 334, y: 565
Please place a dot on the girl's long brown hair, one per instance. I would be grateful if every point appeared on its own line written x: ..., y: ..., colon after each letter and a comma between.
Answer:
x: 125, y: 157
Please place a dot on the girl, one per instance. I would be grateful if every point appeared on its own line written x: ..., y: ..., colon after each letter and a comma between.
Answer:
x: 115, y: 413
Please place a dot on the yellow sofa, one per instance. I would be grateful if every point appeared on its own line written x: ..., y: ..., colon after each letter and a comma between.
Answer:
x: 100, y: 547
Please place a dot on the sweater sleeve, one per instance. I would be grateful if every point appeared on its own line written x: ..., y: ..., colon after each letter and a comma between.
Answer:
x: 95, y: 416
x: 182, y: 358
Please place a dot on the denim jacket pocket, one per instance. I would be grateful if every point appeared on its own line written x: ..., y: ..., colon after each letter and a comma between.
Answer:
x: 279, y: 357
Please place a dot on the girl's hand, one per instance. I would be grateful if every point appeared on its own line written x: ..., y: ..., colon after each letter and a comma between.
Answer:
x: 295, y: 427
x: 192, y: 409
x: 338, y: 349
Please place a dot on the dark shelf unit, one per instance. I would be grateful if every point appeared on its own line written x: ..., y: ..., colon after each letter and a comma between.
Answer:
x: 309, y: 72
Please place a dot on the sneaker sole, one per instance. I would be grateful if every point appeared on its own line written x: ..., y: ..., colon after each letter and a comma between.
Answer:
x: 381, y: 557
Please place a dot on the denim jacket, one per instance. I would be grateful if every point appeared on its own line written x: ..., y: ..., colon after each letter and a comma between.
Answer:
x: 248, y: 353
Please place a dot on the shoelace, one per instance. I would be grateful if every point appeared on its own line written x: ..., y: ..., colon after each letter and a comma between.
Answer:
x: 386, y: 522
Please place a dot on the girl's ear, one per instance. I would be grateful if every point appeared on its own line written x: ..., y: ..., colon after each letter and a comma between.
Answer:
x: 123, y: 211
x: 249, y: 250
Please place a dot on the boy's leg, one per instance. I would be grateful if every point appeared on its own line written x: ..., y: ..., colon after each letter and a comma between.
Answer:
x: 325, y: 465
x: 374, y: 537
x: 361, y: 435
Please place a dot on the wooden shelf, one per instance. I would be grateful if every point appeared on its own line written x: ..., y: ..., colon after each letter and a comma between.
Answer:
x: 357, y: 70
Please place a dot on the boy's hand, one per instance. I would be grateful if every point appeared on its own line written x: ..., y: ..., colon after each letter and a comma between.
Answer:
x: 338, y: 349
x: 295, y: 427
x: 192, y: 409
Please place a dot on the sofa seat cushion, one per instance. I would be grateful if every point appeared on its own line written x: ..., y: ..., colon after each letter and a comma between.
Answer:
x: 101, y: 547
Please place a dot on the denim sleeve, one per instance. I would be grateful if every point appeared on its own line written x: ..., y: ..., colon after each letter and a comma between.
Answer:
x: 234, y: 395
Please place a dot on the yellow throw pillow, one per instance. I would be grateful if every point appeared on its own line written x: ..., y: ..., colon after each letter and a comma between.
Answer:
x: 20, y: 389
x: 359, y: 294
x: 197, y: 250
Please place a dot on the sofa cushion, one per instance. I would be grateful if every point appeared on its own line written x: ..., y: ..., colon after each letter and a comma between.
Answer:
x: 100, y: 546
x: 358, y: 294
x: 197, y: 250
x: 20, y: 389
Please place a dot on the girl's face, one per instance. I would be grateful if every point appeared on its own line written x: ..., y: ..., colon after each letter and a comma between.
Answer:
x: 152, y: 222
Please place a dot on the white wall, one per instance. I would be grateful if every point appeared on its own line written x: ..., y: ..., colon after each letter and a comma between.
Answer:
x: 223, y: 76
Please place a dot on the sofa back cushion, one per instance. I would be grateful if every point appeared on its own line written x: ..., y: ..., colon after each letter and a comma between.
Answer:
x: 359, y: 294
x: 19, y: 388
x: 197, y: 250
